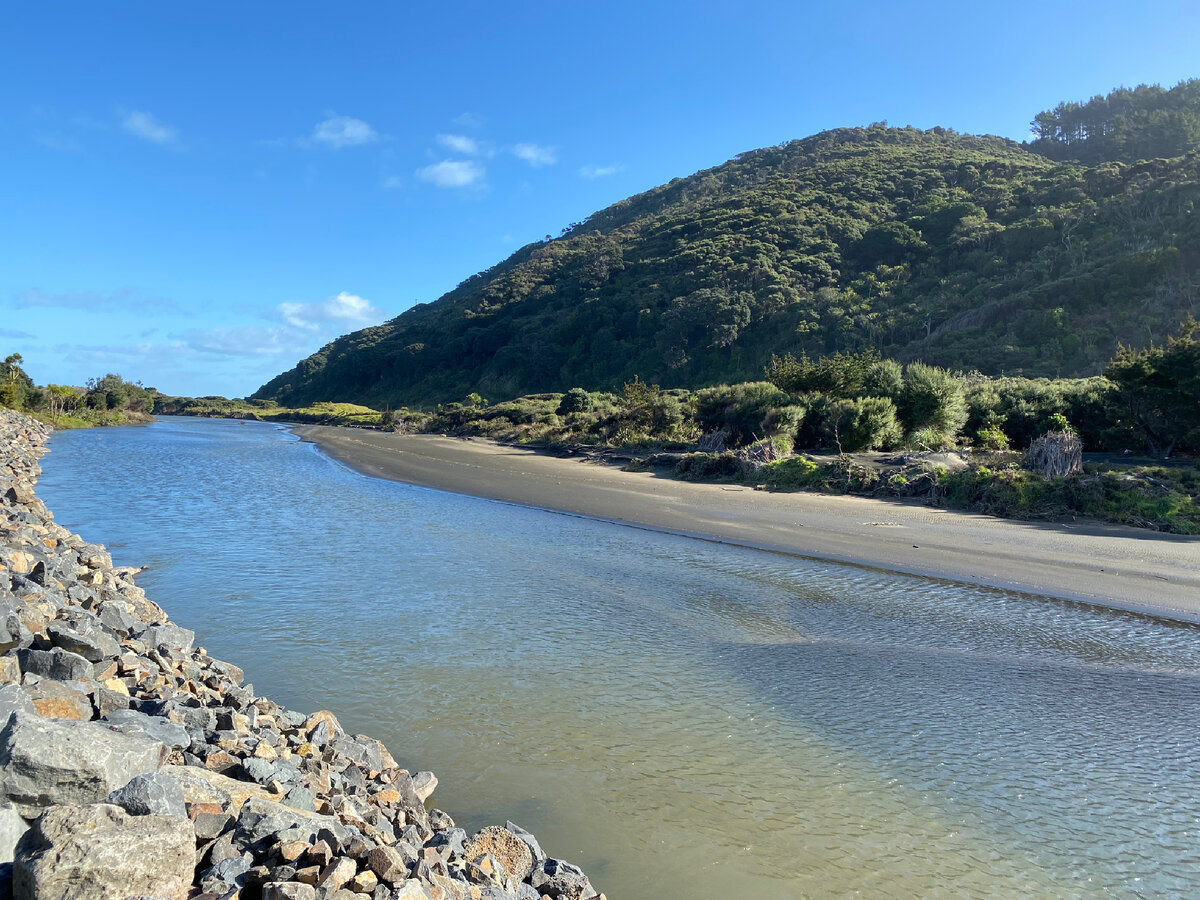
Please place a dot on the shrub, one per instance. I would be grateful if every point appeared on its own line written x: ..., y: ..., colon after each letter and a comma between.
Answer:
x: 884, y: 379
x: 928, y: 439
x: 875, y: 426
x: 708, y: 466
x: 575, y: 400
x: 992, y: 439
x: 740, y: 409
x: 932, y: 398
x: 784, y: 420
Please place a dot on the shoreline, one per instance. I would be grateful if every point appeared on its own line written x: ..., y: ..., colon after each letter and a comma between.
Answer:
x: 1090, y: 562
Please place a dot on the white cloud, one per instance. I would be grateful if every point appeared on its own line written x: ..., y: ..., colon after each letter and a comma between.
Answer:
x: 536, y: 155
x: 343, y: 308
x: 468, y: 120
x: 599, y: 171
x: 452, y: 173
x: 344, y: 131
x: 392, y: 182
x: 458, y: 143
x: 243, y: 340
x: 148, y: 128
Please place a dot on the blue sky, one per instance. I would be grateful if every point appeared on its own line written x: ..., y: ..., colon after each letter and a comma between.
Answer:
x: 198, y: 195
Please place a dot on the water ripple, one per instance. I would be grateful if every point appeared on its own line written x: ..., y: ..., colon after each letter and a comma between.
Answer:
x: 683, y: 718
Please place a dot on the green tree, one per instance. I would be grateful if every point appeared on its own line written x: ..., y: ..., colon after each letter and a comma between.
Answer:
x: 1159, y: 388
x: 932, y: 398
x: 16, y: 385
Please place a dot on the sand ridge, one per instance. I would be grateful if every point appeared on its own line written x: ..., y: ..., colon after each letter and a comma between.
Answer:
x: 1115, y: 566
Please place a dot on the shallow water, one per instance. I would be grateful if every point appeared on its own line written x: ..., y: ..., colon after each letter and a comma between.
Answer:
x: 681, y: 718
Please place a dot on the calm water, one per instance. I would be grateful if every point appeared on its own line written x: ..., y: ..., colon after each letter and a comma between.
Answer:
x: 684, y: 719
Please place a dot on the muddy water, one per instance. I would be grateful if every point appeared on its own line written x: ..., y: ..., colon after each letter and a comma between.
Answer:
x: 681, y: 718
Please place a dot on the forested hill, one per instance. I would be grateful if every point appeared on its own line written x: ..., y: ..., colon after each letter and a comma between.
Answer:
x: 966, y: 252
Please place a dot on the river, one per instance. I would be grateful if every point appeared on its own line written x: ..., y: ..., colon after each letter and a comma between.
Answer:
x: 681, y: 718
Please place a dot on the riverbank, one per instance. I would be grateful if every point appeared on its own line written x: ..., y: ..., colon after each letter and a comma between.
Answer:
x: 1091, y: 562
x: 132, y: 763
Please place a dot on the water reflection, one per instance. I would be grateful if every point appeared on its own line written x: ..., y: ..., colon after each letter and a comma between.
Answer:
x: 683, y: 718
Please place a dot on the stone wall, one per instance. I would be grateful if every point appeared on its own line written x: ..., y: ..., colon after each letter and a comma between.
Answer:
x: 132, y: 764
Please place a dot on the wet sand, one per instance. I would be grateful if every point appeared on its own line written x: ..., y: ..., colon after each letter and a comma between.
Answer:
x: 1091, y: 562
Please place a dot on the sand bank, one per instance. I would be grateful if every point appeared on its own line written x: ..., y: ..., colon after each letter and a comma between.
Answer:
x: 1092, y: 562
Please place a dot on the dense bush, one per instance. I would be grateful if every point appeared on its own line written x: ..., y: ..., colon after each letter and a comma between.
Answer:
x: 741, y: 409
x: 932, y: 398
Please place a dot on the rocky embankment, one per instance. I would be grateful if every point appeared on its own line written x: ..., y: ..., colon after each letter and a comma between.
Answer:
x: 133, y: 765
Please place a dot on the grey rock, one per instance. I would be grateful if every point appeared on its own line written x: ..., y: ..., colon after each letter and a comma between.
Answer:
x: 57, y: 761
x: 321, y: 735
x: 90, y: 642
x: 99, y: 852
x: 261, y: 820
x: 389, y: 864
x: 13, y: 633
x: 57, y: 664
x: 300, y: 798
x: 192, y: 717
x: 363, y: 753
x: 12, y: 826
x: 13, y: 698
x: 561, y: 880
x: 115, y: 616
x: 153, y: 794
x: 259, y: 770
x: 223, y: 848
x: 454, y: 838
x: 137, y: 724
x: 226, y: 874
x: 288, y: 890
x: 210, y: 826
x: 109, y: 701
x: 169, y: 635
x: 424, y: 783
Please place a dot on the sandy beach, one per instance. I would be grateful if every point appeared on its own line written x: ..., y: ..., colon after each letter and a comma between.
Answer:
x: 1092, y: 562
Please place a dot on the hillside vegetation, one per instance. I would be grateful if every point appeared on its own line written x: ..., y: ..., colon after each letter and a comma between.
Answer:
x: 972, y: 253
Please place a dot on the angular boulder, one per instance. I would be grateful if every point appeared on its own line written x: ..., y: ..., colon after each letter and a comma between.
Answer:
x: 153, y: 794
x: 62, y: 761
x: 99, y: 852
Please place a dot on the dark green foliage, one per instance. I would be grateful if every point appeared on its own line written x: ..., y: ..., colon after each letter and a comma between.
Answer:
x: 839, y: 375
x: 1127, y: 125
x: 15, y: 386
x: 112, y: 392
x: 963, y: 252
x: 1024, y: 409
x: 873, y: 425
x: 1159, y: 388
x: 645, y: 412
x: 932, y: 398
x: 576, y: 400
x: 741, y: 410
x: 106, y: 401
x: 708, y: 467
x: 1159, y: 499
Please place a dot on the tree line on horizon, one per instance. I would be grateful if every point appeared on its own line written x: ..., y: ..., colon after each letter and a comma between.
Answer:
x: 107, y: 400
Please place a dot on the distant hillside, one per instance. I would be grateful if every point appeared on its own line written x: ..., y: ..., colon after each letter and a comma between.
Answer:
x: 967, y: 252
